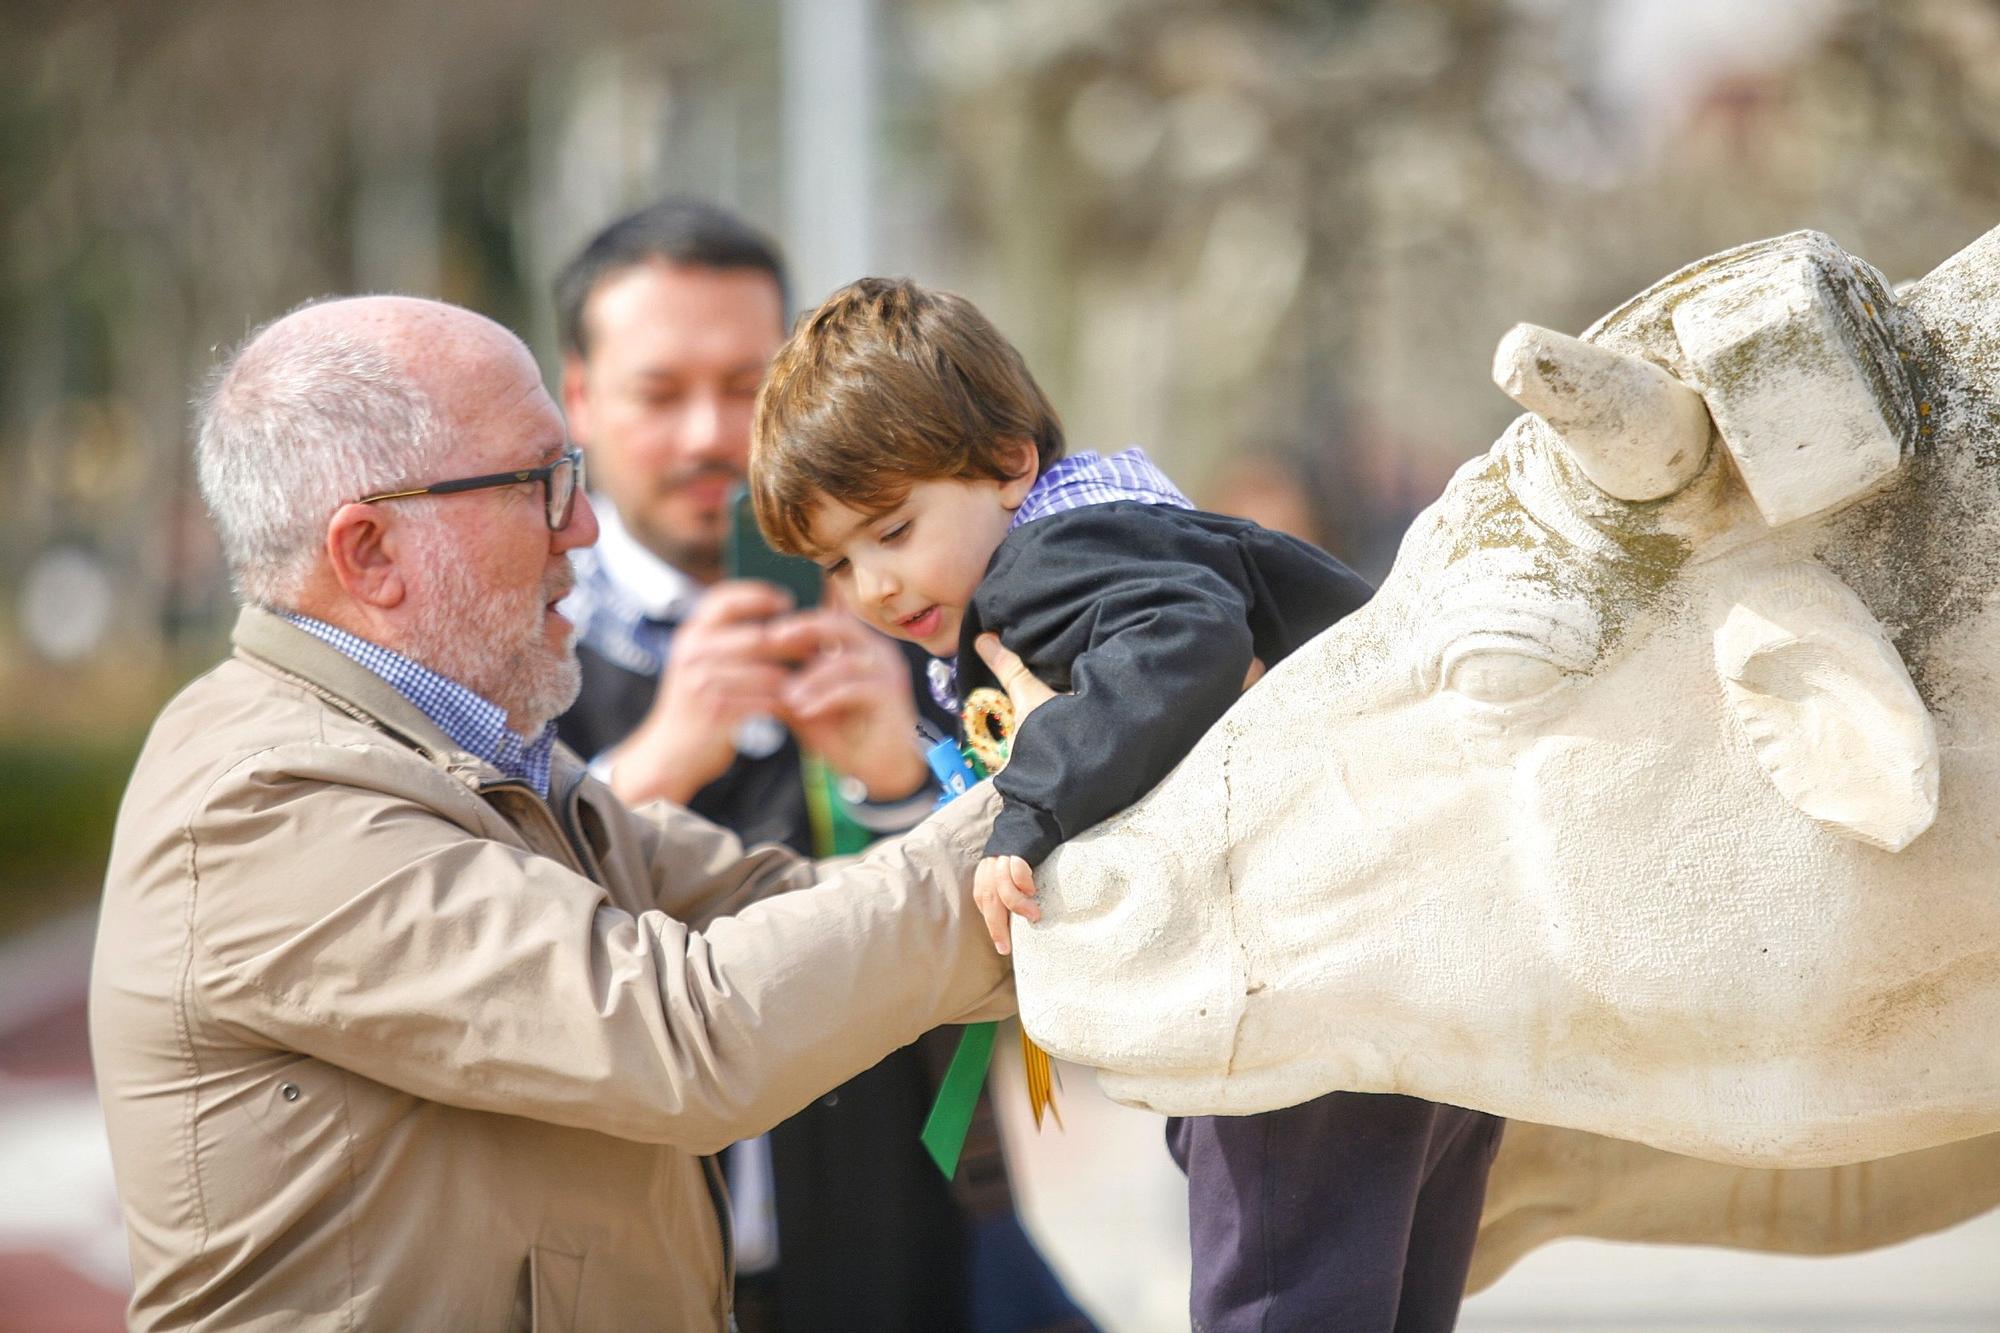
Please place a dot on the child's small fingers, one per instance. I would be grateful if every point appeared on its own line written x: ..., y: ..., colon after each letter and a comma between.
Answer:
x: 1018, y: 903
x: 1017, y: 889
x: 999, y: 931
x: 992, y: 911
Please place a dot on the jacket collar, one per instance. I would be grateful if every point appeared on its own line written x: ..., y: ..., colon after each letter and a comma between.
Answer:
x: 271, y: 641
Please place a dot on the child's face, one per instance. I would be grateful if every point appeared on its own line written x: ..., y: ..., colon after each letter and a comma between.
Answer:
x: 911, y: 571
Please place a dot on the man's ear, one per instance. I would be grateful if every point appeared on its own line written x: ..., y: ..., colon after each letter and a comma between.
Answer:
x: 576, y: 408
x: 362, y: 554
x: 1024, y: 464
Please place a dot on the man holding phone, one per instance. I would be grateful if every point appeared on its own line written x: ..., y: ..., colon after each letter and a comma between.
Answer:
x: 668, y: 321
x: 707, y: 683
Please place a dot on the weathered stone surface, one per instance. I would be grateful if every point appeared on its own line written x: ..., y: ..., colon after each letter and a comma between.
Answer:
x: 1798, y: 367
x: 1587, y: 818
x: 1636, y: 431
x: 1550, y: 1183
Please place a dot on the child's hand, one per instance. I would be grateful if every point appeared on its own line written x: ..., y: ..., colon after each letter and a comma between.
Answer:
x: 1025, y: 689
x: 1003, y: 884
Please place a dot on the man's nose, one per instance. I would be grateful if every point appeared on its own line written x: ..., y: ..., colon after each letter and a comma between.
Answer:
x: 705, y: 430
x: 581, y: 530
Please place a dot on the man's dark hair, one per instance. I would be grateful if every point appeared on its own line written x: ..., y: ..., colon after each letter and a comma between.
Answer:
x: 691, y: 233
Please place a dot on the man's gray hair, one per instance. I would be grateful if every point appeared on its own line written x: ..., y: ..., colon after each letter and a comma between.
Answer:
x: 297, y: 422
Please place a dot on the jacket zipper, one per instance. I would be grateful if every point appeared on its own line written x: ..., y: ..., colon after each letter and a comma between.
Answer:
x: 718, y: 1197
x: 576, y: 861
x: 569, y: 830
x: 572, y: 828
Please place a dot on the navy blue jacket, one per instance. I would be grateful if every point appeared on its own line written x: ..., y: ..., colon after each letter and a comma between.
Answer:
x: 1147, y: 616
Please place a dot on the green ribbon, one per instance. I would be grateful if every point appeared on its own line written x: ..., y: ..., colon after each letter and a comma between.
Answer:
x: 951, y: 1115
x: 835, y: 832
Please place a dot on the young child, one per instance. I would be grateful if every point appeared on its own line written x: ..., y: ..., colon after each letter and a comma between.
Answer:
x: 900, y: 441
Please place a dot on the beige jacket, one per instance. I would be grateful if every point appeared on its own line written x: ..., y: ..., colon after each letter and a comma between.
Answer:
x: 387, y: 1042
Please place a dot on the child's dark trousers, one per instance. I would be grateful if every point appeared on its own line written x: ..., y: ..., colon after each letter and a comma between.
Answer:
x: 1352, y: 1213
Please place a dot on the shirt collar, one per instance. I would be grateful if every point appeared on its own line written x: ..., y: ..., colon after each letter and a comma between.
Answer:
x: 659, y: 590
x: 1092, y: 478
x: 473, y: 723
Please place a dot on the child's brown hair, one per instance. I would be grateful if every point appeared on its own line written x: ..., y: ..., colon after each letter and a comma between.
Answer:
x: 885, y: 385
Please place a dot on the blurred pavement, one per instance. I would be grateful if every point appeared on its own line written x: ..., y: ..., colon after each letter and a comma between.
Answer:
x: 63, y: 1266
x: 1106, y: 1203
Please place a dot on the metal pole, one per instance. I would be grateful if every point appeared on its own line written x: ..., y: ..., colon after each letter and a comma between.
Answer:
x: 828, y: 98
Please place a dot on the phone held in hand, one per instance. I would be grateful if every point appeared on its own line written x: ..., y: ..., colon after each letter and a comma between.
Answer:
x: 746, y: 555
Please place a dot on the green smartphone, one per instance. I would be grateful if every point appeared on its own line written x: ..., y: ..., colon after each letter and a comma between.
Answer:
x: 746, y: 555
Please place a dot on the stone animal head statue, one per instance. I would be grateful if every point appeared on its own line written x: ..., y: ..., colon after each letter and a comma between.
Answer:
x: 1653, y: 795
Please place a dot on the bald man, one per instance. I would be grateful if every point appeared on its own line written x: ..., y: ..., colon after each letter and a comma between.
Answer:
x: 400, y: 1019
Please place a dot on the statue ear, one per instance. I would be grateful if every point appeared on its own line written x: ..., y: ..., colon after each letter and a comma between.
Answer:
x: 1827, y: 705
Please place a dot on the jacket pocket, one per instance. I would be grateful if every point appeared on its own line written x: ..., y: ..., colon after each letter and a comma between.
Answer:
x: 550, y: 1281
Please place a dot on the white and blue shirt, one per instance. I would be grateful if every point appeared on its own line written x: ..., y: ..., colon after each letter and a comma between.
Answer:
x: 474, y: 723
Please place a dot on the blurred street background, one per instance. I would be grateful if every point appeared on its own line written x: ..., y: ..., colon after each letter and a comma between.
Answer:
x: 1273, y: 241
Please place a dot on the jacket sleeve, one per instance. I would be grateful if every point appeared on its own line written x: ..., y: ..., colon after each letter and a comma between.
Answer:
x: 1166, y: 646
x: 466, y: 970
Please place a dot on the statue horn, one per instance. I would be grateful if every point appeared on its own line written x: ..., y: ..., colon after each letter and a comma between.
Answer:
x: 1636, y: 431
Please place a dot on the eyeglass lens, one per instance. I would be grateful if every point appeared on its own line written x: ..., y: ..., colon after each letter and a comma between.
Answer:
x: 562, y: 484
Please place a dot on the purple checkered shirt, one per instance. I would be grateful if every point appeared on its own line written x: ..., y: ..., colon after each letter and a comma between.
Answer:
x: 473, y: 724
x: 1076, y: 481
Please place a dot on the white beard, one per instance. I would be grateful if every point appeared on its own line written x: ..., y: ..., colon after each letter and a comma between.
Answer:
x: 491, y: 642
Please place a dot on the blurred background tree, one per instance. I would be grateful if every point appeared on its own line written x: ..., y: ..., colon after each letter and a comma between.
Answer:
x: 1274, y: 240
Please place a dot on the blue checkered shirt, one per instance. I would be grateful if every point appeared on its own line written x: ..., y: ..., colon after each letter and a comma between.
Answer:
x: 473, y: 724
x: 1092, y: 479
x: 1075, y: 481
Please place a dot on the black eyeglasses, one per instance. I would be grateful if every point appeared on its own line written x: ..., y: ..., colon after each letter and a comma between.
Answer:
x: 561, y: 480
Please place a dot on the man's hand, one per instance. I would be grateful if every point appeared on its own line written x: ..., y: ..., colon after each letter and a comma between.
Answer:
x: 843, y: 691
x: 850, y: 702
x: 1003, y: 885
x: 724, y: 667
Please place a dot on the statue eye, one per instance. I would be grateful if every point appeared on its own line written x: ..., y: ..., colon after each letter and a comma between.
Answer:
x: 1492, y: 676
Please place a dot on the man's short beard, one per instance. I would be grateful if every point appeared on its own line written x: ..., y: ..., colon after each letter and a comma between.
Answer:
x: 700, y: 558
x: 698, y: 554
x: 455, y: 634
